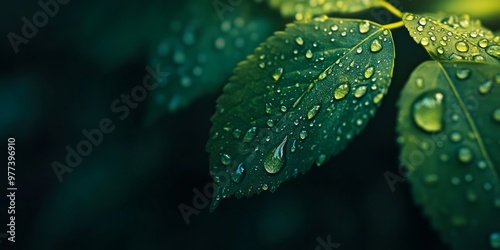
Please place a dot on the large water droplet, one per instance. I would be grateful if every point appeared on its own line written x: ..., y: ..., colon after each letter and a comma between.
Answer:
x: 494, y: 51
x: 496, y: 115
x: 464, y: 154
x: 495, y: 240
x: 424, y: 41
x: 463, y: 73
x: 462, y: 46
x: 312, y: 112
x: 483, y: 43
x: 225, y: 159
x: 238, y: 174
x: 364, y: 27
x: 428, y: 111
x: 422, y: 21
x: 274, y: 160
x: 375, y: 45
x: 341, y: 91
x: 369, y: 72
x: 360, y: 91
x: 277, y: 74
x: 250, y: 134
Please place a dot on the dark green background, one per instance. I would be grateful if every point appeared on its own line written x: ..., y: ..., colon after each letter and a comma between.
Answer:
x: 126, y: 193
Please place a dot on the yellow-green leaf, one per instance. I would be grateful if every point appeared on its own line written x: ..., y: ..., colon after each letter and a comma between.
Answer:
x: 297, y: 100
x: 305, y: 9
x: 449, y: 127
x: 452, y: 37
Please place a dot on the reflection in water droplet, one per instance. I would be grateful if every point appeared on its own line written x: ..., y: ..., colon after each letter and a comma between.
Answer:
x: 462, y: 46
x: 277, y: 74
x: 312, y: 112
x: 464, y: 154
x: 360, y: 91
x: 463, y: 73
x: 225, y: 159
x: 238, y: 174
x: 364, y: 27
x: 341, y: 91
x: 428, y: 111
x: 375, y: 45
x: 369, y: 72
x: 274, y: 160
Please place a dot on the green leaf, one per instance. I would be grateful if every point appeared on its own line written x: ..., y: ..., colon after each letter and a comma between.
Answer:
x: 449, y: 127
x: 300, y: 98
x: 451, y: 37
x: 200, y: 51
x: 306, y: 9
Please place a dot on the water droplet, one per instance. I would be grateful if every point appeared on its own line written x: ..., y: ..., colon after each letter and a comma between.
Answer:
x: 375, y: 45
x: 496, y: 115
x: 273, y: 160
x: 250, y: 134
x: 485, y: 87
x: 463, y: 73
x: 431, y: 179
x: 320, y: 160
x: 265, y: 187
x: 303, y: 134
x: 410, y: 17
x: 309, y: 54
x: 299, y: 40
x: 428, y: 111
x: 419, y: 82
x: 237, y: 133
x: 483, y: 43
x: 225, y: 159
x: 262, y: 65
x: 359, y: 50
x: 481, y: 164
x: 369, y: 72
x: 359, y: 122
x: 270, y: 123
x: 462, y: 46
x: 424, y: 41
x: 378, y: 98
x: 422, y: 21
x: 360, y: 91
x: 277, y: 74
x: 464, y: 154
x: 238, y: 174
x: 364, y: 27
x: 440, y: 50
x: 495, y: 240
x: 455, y: 137
x: 335, y: 28
x: 341, y: 91
x: 494, y: 51
x: 283, y: 109
x: 312, y: 112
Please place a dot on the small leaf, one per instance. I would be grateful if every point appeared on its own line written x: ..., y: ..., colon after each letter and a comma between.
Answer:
x: 306, y: 9
x: 299, y: 99
x: 194, y: 47
x: 451, y: 37
x: 449, y: 127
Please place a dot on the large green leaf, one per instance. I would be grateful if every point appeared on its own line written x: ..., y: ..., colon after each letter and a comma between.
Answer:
x: 452, y: 37
x: 305, y: 9
x: 200, y: 51
x: 449, y: 126
x: 300, y: 98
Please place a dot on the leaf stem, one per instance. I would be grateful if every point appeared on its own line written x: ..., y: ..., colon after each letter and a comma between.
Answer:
x: 391, y: 8
x: 393, y: 25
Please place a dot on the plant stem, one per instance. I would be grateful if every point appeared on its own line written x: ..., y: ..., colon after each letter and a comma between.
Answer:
x: 393, y: 25
x: 391, y: 9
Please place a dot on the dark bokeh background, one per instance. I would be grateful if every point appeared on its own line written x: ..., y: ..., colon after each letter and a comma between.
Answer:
x: 126, y: 193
